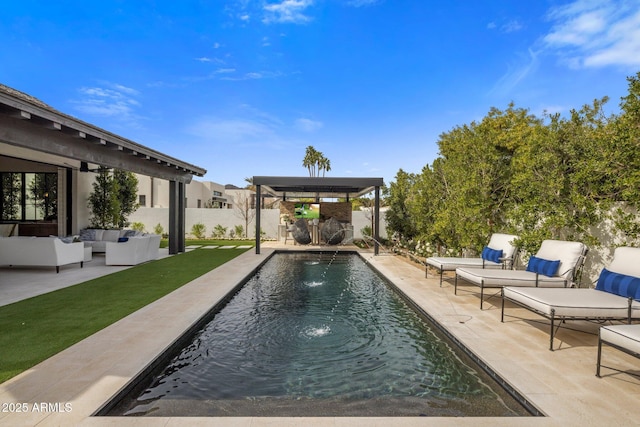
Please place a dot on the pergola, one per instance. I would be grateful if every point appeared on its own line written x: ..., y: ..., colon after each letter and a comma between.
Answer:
x: 31, y: 126
x: 318, y: 187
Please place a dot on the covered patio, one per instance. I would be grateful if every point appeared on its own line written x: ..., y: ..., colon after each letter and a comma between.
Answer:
x: 318, y: 188
x: 36, y: 137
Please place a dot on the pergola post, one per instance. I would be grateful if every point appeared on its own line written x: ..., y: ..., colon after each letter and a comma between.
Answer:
x: 258, y: 197
x: 176, y: 217
x: 376, y: 222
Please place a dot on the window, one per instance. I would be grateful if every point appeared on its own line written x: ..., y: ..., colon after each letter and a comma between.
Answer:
x: 29, y: 196
x: 142, y: 200
x: 199, y: 203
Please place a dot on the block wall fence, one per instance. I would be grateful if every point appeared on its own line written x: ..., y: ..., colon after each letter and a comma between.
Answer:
x: 270, y: 218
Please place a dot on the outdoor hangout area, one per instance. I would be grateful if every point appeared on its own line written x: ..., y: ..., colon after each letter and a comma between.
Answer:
x: 522, y: 312
x: 558, y: 384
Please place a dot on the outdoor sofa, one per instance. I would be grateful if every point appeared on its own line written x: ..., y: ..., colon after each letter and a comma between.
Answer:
x: 615, y: 296
x: 40, y: 251
x: 97, y: 238
x: 500, y: 252
x: 554, y: 265
x: 132, y: 250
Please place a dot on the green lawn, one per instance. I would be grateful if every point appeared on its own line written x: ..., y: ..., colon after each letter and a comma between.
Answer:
x: 37, y: 328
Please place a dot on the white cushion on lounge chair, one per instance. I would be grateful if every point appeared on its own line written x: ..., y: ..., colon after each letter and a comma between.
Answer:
x: 625, y: 336
x: 500, y: 278
x: 498, y: 241
x: 581, y: 303
x: 568, y: 253
x: 451, y: 263
x: 626, y: 261
x: 572, y: 302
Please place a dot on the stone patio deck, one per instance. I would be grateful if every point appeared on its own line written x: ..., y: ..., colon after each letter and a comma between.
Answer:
x: 562, y: 384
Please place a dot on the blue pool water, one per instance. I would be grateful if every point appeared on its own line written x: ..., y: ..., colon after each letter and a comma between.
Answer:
x: 318, y: 334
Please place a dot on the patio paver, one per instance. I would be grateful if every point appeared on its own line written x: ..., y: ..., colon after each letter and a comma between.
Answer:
x: 561, y: 383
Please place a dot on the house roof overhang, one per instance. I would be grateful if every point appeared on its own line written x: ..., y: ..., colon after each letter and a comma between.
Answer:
x: 323, y: 187
x: 29, y: 123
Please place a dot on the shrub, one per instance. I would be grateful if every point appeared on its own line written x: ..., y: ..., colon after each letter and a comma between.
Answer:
x: 219, y: 231
x: 138, y: 226
x: 198, y: 230
x: 239, y: 230
x: 158, y: 229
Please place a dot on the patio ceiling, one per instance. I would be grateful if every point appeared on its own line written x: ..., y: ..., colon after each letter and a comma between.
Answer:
x: 323, y: 187
x: 29, y: 123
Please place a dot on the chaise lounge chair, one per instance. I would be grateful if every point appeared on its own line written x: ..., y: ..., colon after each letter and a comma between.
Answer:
x: 614, y: 297
x: 622, y: 337
x: 499, y: 253
x: 554, y: 265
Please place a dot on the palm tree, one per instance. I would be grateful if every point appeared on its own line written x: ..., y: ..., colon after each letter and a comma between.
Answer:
x: 324, y: 165
x: 311, y: 159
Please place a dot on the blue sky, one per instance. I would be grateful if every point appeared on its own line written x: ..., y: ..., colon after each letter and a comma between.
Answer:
x: 242, y: 87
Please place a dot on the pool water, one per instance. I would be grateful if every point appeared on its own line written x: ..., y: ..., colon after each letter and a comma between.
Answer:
x: 318, y: 334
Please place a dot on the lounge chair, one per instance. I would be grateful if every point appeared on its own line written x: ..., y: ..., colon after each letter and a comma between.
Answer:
x: 622, y: 337
x: 502, y: 256
x: 554, y: 265
x: 612, y: 299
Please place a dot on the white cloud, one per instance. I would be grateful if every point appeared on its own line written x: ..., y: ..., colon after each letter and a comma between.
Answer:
x: 114, y: 100
x: 509, y: 27
x: 516, y: 73
x: 512, y: 26
x: 287, y: 11
x: 589, y: 33
x: 230, y: 130
x: 254, y: 75
x: 359, y: 3
x: 203, y: 59
x: 308, y: 125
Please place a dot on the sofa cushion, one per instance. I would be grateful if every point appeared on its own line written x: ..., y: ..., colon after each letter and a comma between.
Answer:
x: 129, y: 233
x: 110, y: 235
x: 88, y: 234
x: 619, y: 284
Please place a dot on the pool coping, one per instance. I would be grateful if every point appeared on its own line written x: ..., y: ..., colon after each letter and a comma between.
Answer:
x: 561, y: 383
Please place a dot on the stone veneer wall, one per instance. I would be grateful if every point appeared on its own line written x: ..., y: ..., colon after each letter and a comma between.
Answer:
x: 338, y: 210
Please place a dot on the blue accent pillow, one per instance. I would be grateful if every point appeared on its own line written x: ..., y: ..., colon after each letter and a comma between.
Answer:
x: 491, y: 254
x: 123, y: 239
x: 619, y: 284
x: 543, y: 266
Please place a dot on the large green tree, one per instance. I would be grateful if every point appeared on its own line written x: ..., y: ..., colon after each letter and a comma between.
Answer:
x: 571, y: 176
x: 113, y: 198
x: 400, y: 223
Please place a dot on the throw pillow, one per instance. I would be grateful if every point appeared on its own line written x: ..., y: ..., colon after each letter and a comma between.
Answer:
x: 87, y: 235
x: 543, y: 266
x: 619, y: 284
x: 491, y: 254
x: 123, y: 239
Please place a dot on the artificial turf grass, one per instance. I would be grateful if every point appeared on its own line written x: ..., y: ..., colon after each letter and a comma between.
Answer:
x: 35, y: 329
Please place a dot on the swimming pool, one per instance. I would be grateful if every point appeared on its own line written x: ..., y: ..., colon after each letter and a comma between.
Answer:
x: 316, y: 334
